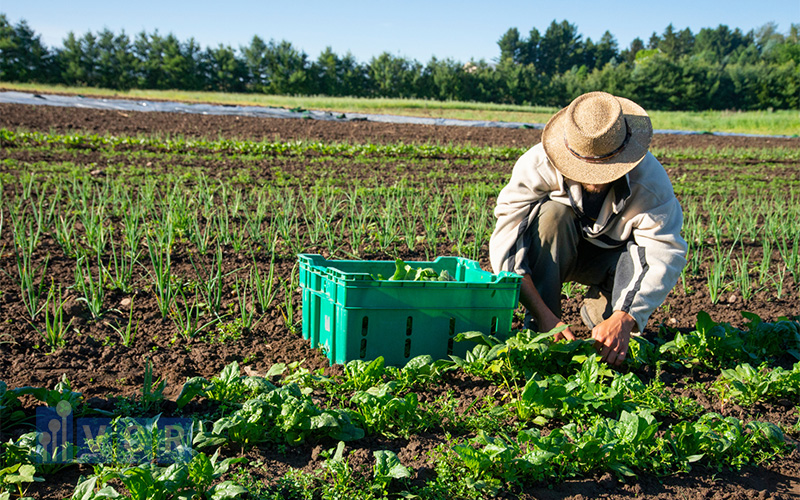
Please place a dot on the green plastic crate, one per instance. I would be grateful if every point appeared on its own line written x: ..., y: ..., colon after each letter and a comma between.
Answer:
x: 353, y: 315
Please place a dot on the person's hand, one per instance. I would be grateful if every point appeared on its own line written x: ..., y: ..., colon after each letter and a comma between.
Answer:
x: 551, y: 322
x: 546, y: 320
x: 612, y: 336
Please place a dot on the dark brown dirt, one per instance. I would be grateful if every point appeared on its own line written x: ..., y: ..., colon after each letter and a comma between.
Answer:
x: 105, y: 371
x: 47, y: 118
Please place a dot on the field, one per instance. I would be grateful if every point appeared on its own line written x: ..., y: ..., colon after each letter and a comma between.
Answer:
x: 139, y: 251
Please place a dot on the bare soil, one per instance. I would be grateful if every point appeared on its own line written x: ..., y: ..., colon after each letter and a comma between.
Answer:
x: 105, y: 371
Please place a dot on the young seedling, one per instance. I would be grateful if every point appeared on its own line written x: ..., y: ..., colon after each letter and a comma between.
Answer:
x: 119, y: 271
x: 92, y: 289
x: 160, y: 250
x: 289, y: 286
x: 187, y: 317
x: 128, y: 333
x: 264, y: 287
x: 152, y: 390
x: 247, y: 311
x: 55, y: 328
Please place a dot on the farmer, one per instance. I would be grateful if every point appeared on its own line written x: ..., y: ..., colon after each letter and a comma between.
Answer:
x: 591, y: 204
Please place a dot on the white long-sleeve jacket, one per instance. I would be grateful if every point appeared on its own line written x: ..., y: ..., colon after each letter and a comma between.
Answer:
x: 640, y: 212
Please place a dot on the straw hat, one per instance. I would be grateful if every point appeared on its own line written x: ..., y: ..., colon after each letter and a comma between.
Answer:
x: 598, y: 138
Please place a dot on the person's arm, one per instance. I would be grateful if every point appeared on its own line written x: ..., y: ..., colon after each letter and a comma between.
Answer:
x: 645, y: 274
x: 546, y: 320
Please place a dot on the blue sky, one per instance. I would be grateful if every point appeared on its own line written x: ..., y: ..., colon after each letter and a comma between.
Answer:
x: 460, y: 30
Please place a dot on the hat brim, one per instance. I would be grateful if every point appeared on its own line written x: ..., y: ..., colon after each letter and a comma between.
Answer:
x: 606, y: 171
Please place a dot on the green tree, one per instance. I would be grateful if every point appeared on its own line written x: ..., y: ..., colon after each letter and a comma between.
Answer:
x: 613, y: 78
x: 446, y: 78
x: 655, y: 81
x: 286, y: 69
x: 115, y: 62
x: 519, y: 83
x: 73, y: 61
x: 668, y: 42
x: 531, y: 48
x: 560, y: 48
x: 720, y: 43
x: 511, y: 46
x: 194, y: 66
x: 676, y: 44
x: 338, y: 76
x: 224, y: 72
x: 588, y: 54
x: 629, y: 55
x: 23, y: 56
x: 148, y: 61
x: 391, y: 76
x: 255, y: 60
x: 607, y: 50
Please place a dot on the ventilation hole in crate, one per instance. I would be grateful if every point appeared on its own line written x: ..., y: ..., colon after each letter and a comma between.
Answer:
x: 450, y: 346
x: 407, y: 352
x: 494, y: 325
x: 452, y: 326
x: 408, y: 326
x: 363, y: 352
x: 364, y: 323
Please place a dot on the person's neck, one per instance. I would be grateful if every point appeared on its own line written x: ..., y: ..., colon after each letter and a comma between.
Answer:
x: 593, y: 197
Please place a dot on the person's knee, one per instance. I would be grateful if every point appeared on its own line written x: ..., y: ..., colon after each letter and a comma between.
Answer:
x: 556, y: 224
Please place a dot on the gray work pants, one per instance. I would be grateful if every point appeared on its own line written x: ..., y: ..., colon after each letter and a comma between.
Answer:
x: 559, y: 253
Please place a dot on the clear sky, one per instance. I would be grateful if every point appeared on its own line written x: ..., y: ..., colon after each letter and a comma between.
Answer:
x: 460, y: 30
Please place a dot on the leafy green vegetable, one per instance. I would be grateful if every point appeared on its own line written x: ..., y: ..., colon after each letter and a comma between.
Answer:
x: 404, y: 272
x: 180, y: 480
x: 285, y: 415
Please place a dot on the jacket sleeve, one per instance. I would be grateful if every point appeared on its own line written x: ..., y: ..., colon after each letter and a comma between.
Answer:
x: 652, y: 265
x: 517, y: 205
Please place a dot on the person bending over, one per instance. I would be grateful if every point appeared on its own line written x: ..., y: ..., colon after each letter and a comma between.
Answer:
x: 590, y: 204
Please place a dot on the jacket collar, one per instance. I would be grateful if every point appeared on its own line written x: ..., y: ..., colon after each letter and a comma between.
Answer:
x: 620, y: 192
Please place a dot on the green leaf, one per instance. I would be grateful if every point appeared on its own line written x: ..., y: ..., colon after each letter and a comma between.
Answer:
x: 27, y: 472
x: 258, y: 385
x: 477, y: 337
x: 9, y: 470
x: 622, y: 469
x: 275, y: 370
x: 629, y: 425
x: 540, y: 420
x: 387, y: 465
x: 39, y: 393
x: 400, y: 270
x: 201, y: 470
x: 206, y: 439
x: 174, y: 477
x: 226, y: 489
x: 473, y: 459
x: 106, y: 492
x: 85, y: 489
x: 193, y: 387
x: 230, y: 374
x: 337, y: 457
x: 324, y: 421
x: 24, y: 474
x: 418, y: 362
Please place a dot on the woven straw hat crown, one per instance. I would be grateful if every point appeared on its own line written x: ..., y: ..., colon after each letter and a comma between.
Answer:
x: 598, y: 138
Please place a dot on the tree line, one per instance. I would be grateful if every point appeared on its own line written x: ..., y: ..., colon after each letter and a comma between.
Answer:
x: 716, y: 68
